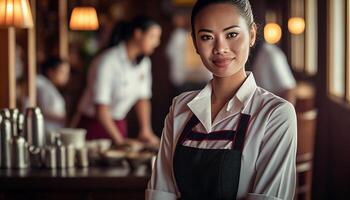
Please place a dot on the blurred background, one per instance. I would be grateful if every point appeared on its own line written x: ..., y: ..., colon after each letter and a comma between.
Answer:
x: 311, y: 37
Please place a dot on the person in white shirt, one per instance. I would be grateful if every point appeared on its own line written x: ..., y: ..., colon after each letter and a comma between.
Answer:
x: 233, y: 139
x: 186, y: 69
x: 50, y: 100
x: 119, y: 79
x: 272, y: 71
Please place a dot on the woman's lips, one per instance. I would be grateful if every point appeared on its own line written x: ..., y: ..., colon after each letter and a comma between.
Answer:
x: 222, y: 62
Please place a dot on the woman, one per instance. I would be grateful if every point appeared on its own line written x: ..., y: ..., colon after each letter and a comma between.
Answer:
x: 233, y: 139
x: 120, y: 79
x: 50, y: 100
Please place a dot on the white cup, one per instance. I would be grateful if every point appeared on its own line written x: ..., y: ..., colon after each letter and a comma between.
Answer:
x: 73, y: 136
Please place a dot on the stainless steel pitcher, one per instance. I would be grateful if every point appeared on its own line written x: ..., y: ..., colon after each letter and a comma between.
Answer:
x: 5, y: 137
x: 34, y: 127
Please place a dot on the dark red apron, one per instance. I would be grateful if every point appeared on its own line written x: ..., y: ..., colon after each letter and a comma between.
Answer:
x: 96, y: 131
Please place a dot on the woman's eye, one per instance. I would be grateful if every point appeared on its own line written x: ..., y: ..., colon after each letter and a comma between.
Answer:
x: 206, y: 37
x: 232, y: 35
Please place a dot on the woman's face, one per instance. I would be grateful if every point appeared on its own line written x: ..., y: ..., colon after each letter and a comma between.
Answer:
x: 223, y: 39
x: 150, y: 39
x: 60, y: 75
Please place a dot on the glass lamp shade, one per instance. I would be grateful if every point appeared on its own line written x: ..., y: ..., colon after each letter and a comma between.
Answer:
x: 84, y: 18
x: 15, y: 13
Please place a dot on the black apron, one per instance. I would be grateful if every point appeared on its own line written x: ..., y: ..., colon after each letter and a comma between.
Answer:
x: 209, y: 173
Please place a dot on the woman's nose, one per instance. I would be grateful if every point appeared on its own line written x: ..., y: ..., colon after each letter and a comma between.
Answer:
x: 220, y: 47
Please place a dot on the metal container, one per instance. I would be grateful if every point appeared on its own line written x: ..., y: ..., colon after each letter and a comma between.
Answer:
x: 34, y: 127
x: 13, y: 119
x: 50, y: 160
x: 70, y: 156
x: 82, y: 157
x: 35, y: 156
x: 5, y: 149
x: 61, y: 156
x: 19, y: 153
x: 20, y: 124
x: 5, y: 113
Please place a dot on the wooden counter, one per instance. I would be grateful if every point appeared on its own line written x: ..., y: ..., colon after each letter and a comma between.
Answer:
x: 89, y: 183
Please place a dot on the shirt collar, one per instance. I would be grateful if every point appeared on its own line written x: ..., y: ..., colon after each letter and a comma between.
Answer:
x: 200, y: 105
x: 244, y: 93
x: 123, y: 54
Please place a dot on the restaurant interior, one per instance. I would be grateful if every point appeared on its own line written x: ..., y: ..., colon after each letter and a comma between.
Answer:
x: 312, y: 35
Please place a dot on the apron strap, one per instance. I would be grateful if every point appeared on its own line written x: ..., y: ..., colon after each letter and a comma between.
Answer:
x: 193, y: 121
x: 241, y: 131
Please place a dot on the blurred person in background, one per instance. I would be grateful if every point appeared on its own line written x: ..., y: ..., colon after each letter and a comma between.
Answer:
x: 120, y: 78
x: 50, y: 100
x: 186, y: 69
x: 272, y: 71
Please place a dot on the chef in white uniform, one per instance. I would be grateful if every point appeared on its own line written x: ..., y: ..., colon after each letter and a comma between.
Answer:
x: 233, y: 139
x: 119, y: 79
x: 50, y: 100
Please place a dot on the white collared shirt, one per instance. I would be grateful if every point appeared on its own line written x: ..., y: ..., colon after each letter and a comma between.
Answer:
x: 268, y: 157
x: 50, y: 100
x: 113, y: 80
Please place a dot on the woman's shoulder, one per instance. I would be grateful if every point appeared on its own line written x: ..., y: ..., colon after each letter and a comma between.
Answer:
x: 273, y: 103
x: 180, y: 102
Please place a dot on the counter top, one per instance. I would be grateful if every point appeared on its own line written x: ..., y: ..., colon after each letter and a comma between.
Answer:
x: 86, y: 178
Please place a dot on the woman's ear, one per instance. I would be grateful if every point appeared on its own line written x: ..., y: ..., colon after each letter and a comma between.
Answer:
x: 253, y: 30
x: 194, y: 42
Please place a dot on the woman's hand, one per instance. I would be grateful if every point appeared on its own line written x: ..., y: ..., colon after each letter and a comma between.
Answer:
x: 148, y: 137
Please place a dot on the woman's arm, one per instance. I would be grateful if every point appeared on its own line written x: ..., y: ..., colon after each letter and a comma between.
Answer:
x: 275, y: 166
x: 162, y: 185
x: 104, y: 117
x: 143, y: 111
x: 58, y: 117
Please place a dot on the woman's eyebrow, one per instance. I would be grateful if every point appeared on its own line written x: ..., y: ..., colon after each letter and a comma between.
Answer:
x: 233, y: 26
x: 210, y: 31
x: 205, y: 30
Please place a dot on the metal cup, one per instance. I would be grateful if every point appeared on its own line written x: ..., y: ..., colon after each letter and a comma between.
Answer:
x: 82, y: 157
x: 61, y: 156
x: 35, y: 157
x: 19, y: 153
x: 70, y: 156
x: 50, y: 160
x: 5, y: 148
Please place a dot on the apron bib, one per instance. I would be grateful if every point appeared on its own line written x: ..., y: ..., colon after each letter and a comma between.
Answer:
x: 209, y: 173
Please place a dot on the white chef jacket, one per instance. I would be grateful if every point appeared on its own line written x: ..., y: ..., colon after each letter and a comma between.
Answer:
x: 268, y: 159
x: 50, y: 100
x: 271, y: 69
x: 115, y: 81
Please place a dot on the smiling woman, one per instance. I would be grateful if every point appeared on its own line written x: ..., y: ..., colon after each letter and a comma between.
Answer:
x: 233, y: 139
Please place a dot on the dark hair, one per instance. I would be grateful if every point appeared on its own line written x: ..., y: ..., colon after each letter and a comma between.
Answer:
x: 51, y: 63
x: 123, y: 30
x: 242, y: 5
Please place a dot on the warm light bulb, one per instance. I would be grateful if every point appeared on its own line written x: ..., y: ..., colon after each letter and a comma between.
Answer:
x: 272, y: 33
x: 296, y: 25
